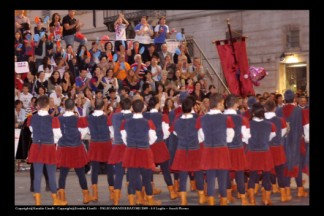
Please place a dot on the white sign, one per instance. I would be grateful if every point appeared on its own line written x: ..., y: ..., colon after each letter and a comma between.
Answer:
x: 21, y: 67
x: 172, y: 45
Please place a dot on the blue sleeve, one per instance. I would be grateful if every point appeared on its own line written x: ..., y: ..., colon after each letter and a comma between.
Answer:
x: 137, y: 27
x: 78, y: 82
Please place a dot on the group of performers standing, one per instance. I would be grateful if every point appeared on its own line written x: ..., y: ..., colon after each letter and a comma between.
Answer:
x: 266, y: 143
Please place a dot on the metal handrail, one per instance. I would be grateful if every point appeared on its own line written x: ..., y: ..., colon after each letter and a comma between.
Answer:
x: 211, y: 66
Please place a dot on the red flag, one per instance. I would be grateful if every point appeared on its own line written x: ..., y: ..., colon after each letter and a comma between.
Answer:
x: 227, y: 61
x: 245, y: 80
x: 242, y: 86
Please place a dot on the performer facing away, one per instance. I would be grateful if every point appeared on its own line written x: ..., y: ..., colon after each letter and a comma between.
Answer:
x: 138, y: 134
x: 276, y: 146
x: 236, y: 149
x: 259, y: 156
x: 118, y: 146
x: 215, y: 131
x: 160, y: 151
x: 45, y: 133
x: 71, y: 152
x: 100, y: 147
x: 188, y: 154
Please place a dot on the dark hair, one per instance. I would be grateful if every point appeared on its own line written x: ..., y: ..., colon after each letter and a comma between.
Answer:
x: 51, y: 79
x: 111, y: 90
x: 261, y: 99
x: 144, y: 16
x: 79, y: 50
x: 99, y: 103
x: 152, y: 103
x: 41, y: 87
x: 43, y: 101
x: 26, y: 85
x: 257, y: 111
x: 67, y: 46
x: 193, y: 98
x: 278, y: 96
x: 69, y: 104
x: 230, y: 101
x: 145, y: 86
x: 157, y: 87
x: 53, y: 18
x: 187, y: 105
x: 162, y: 17
x: 169, y: 91
x: 126, y: 89
x: 44, y: 62
x: 126, y: 104
x: 211, y: 86
x: 214, y: 99
x: 269, y: 105
x: 98, y: 91
x: 138, y: 106
x: 18, y: 102
x: 112, y: 46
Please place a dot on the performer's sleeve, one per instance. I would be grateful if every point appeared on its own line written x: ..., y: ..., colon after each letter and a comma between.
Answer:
x: 245, y: 130
x: 306, y: 124
x: 152, y: 133
x: 111, y: 128
x: 230, y: 129
x: 283, y: 127
x: 273, y: 132
x: 201, y: 135
x: 56, y: 129
x: 83, y: 126
x: 123, y: 132
x: 165, y: 126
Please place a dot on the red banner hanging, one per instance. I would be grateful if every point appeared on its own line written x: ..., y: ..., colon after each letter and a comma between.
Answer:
x: 238, y: 85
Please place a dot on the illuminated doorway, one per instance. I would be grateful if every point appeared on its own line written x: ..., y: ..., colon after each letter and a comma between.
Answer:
x: 296, y: 77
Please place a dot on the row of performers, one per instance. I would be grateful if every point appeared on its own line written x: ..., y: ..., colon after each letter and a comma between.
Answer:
x: 208, y: 146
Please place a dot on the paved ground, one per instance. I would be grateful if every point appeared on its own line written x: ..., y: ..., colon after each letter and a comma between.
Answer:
x: 74, y: 194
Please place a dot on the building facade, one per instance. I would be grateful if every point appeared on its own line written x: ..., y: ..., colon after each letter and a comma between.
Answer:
x: 278, y: 40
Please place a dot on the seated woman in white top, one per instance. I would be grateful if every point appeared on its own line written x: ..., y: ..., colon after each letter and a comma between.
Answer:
x: 46, y: 67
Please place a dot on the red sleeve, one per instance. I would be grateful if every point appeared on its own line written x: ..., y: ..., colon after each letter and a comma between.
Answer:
x: 165, y: 119
x: 29, y: 120
x: 122, y: 126
x: 283, y: 123
x: 109, y: 123
x: 305, y: 113
x: 245, y: 122
x: 229, y: 122
x: 198, y: 123
x: 171, y: 128
x: 273, y: 127
x: 151, y: 125
x: 55, y: 123
x: 82, y: 122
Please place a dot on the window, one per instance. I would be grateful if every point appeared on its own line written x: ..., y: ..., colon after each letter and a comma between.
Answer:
x: 293, y: 38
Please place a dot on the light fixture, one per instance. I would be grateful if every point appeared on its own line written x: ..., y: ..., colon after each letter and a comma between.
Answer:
x: 298, y: 65
x: 284, y: 55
